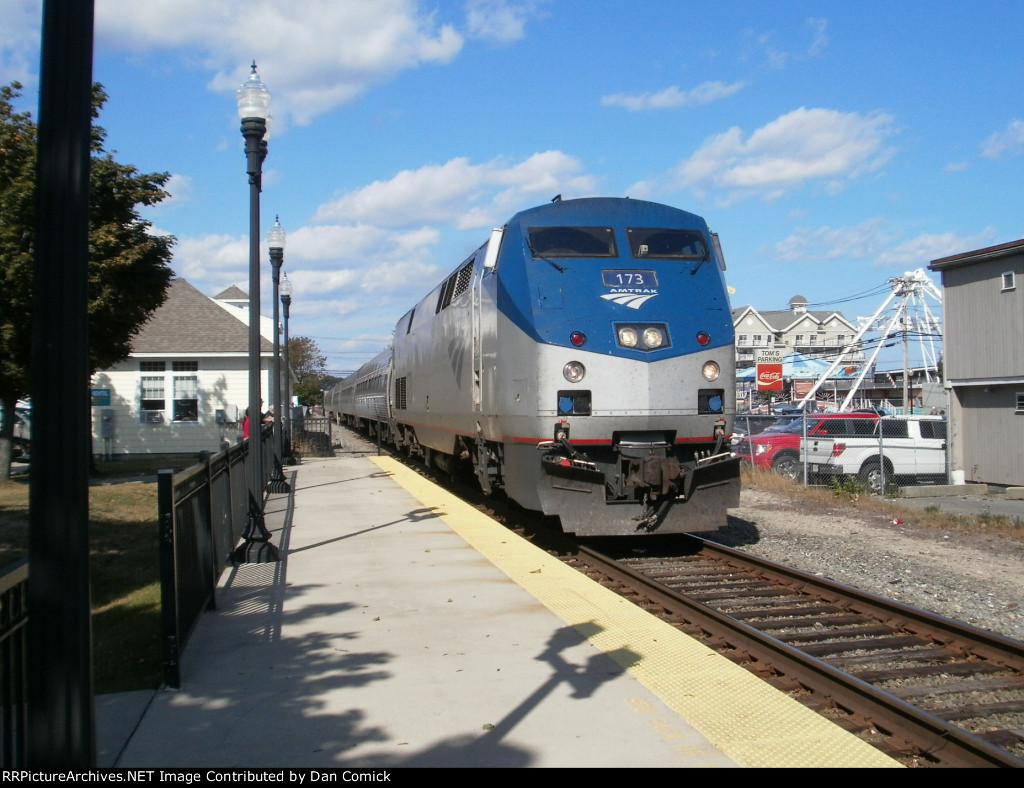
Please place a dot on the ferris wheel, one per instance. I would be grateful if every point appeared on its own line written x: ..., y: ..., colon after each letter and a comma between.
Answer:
x: 907, y: 313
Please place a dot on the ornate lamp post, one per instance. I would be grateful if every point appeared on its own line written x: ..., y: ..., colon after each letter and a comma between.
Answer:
x: 286, y: 302
x: 253, y: 107
x: 275, y: 240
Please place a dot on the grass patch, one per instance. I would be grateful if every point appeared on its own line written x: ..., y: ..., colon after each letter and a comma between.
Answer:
x: 124, y: 577
x: 822, y: 500
x: 848, y: 487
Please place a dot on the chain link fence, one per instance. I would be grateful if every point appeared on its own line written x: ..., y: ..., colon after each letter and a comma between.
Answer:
x: 878, y: 453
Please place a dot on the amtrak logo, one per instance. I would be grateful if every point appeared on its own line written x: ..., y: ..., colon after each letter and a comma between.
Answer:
x: 631, y: 298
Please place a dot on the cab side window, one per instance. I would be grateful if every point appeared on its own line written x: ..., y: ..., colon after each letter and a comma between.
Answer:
x: 834, y: 427
x: 862, y: 426
x: 933, y: 429
x: 894, y: 429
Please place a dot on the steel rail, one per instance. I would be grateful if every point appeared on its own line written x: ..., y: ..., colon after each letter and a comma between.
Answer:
x: 925, y: 734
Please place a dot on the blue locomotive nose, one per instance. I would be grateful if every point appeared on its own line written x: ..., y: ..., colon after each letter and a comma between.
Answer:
x: 625, y: 278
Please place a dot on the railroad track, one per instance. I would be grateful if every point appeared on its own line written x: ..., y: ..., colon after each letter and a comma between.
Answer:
x: 924, y: 689
x: 927, y: 690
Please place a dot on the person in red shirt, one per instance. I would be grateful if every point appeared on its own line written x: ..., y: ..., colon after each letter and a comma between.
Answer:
x: 245, y: 422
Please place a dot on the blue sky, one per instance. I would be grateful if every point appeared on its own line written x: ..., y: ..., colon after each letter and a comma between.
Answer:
x: 831, y: 145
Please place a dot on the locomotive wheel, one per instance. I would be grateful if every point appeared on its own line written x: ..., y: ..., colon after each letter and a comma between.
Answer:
x: 787, y: 464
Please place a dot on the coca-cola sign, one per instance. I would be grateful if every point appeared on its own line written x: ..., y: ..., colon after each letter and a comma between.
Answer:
x: 769, y: 377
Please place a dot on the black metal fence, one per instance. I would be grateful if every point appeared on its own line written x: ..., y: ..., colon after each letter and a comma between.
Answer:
x: 203, y: 512
x: 312, y: 437
x: 13, y: 661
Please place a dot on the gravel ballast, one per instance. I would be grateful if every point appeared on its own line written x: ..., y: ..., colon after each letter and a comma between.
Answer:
x: 971, y: 577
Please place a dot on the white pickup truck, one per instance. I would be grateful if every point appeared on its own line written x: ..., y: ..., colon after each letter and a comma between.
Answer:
x: 901, y: 450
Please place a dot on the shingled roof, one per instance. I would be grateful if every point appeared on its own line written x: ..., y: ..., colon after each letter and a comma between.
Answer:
x: 190, y: 322
x: 232, y: 293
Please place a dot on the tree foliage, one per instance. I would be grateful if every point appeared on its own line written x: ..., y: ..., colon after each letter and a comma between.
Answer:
x: 309, y: 366
x: 17, y: 227
x: 129, y: 270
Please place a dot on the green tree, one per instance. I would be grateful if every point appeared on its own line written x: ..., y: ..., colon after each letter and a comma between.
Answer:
x: 129, y: 268
x: 309, y: 366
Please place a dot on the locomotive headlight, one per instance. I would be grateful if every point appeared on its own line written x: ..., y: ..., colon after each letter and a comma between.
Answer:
x: 653, y: 337
x: 642, y: 336
x: 574, y: 371
x: 710, y: 370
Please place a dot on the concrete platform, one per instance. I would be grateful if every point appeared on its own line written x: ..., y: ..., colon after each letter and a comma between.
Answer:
x: 402, y: 628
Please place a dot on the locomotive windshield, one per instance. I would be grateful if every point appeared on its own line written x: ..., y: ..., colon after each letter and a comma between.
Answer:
x: 667, y: 244
x: 572, y: 242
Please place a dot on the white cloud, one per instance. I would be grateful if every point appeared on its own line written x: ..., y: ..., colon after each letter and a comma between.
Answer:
x: 180, y: 189
x: 705, y: 93
x: 220, y: 258
x: 1008, y: 142
x: 777, y: 57
x: 19, y: 42
x: 460, y: 193
x: 877, y: 241
x: 365, y: 256
x: 372, y: 254
x: 805, y: 145
x: 866, y: 240
x: 819, y: 40
x: 499, y: 20
x: 922, y: 249
x: 322, y: 54
x: 339, y: 257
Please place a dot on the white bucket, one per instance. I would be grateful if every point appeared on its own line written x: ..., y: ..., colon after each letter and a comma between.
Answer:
x: 957, y: 477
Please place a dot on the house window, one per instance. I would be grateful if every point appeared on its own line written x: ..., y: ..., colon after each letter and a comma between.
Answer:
x: 742, y: 339
x: 799, y: 339
x: 1020, y: 402
x: 182, y: 383
x: 1009, y: 281
x: 186, y: 390
x: 757, y: 340
x: 152, y: 392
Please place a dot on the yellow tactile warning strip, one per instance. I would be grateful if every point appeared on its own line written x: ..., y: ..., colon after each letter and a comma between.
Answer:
x: 750, y: 721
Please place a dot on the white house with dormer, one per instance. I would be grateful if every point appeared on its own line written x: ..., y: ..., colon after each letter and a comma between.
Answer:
x: 185, y: 387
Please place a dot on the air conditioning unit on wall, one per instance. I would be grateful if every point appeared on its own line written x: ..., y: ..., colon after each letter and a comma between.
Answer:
x: 151, y: 416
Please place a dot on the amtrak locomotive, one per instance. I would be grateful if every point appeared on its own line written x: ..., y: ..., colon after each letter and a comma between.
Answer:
x: 581, y: 361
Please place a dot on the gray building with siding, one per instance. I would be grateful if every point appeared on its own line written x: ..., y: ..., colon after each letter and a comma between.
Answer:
x: 983, y: 363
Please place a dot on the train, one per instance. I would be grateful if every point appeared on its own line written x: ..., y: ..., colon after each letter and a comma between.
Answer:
x: 580, y: 362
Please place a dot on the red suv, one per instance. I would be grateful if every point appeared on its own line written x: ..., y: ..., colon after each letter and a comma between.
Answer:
x: 778, y: 448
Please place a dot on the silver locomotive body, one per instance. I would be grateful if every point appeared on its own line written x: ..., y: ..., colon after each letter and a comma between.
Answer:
x: 581, y: 361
